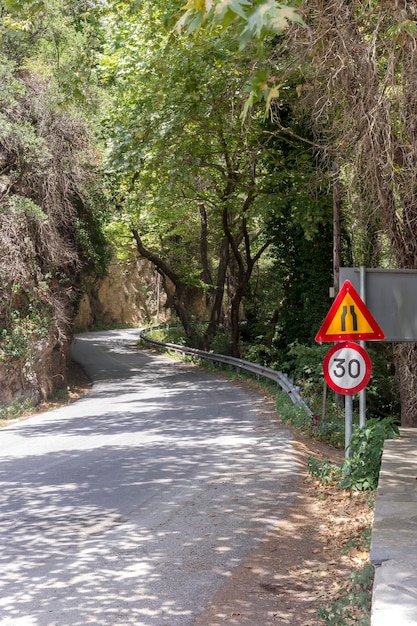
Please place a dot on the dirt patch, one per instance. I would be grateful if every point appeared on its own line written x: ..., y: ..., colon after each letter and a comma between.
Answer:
x: 305, y: 562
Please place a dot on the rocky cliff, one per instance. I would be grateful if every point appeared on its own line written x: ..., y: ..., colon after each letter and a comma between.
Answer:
x: 129, y: 294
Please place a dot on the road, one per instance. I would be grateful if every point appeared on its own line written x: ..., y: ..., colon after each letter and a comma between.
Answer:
x: 134, y: 504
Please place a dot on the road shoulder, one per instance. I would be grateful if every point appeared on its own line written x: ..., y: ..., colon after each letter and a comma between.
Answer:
x: 304, y: 562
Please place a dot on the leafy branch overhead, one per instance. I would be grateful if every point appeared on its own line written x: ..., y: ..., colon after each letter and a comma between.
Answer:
x: 252, y: 18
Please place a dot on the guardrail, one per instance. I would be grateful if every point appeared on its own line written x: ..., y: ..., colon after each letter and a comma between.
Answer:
x: 280, y: 378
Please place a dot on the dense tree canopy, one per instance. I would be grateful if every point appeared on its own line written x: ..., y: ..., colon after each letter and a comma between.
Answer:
x: 220, y: 123
x: 360, y: 87
x: 196, y: 182
x: 358, y: 64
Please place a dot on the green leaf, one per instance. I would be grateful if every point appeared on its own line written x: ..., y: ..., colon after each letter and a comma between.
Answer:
x: 273, y: 93
x: 234, y: 6
x: 269, y: 18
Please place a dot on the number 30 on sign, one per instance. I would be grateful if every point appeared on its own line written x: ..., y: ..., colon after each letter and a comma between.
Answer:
x: 347, y: 368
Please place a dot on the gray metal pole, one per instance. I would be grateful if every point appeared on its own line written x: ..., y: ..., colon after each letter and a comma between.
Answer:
x: 348, y: 423
x: 362, y: 394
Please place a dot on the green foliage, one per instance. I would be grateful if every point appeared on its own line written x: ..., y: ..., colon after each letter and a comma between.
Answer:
x: 293, y: 289
x: 382, y: 391
x: 260, y: 353
x: 303, y: 268
x: 305, y: 363
x: 352, y: 607
x: 15, y: 409
x: 169, y: 334
x: 175, y: 335
x: 252, y: 18
x: 330, y: 432
x: 59, y: 394
x: 58, y: 40
x: 17, y: 341
x: 324, y: 471
x: 365, y: 452
x: 197, y: 208
x: 291, y: 413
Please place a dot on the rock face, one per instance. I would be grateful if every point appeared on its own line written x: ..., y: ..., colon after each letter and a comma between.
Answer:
x: 36, y: 374
x: 130, y: 293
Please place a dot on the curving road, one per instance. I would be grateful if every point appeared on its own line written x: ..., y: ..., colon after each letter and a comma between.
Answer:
x: 132, y: 505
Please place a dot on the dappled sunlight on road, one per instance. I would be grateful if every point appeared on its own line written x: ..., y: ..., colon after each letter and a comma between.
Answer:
x: 132, y: 505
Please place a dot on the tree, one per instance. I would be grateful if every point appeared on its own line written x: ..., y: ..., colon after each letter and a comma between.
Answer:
x: 358, y: 60
x: 361, y: 89
x: 191, y: 177
x: 250, y: 18
x: 300, y: 221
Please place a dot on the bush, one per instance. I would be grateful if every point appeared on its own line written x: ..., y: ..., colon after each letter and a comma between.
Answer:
x: 365, y: 451
x: 15, y: 409
x: 324, y: 471
x: 292, y: 413
x: 360, y: 471
x: 352, y: 607
x: 382, y: 391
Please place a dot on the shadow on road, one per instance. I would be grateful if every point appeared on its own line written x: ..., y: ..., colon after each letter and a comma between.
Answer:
x: 132, y: 505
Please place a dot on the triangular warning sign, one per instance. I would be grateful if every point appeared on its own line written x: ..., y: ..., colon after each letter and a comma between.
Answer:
x: 349, y: 318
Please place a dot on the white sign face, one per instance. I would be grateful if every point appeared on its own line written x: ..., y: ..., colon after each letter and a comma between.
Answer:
x: 347, y: 368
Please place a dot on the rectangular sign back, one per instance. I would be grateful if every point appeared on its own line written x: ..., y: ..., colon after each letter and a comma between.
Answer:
x: 391, y: 297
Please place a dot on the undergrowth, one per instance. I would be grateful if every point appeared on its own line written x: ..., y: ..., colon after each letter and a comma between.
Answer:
x: 15, y: 409
x: 353, y: 605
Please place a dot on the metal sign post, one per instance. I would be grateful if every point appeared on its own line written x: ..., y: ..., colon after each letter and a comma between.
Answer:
x: 348, y: 424
x: 362, y: 393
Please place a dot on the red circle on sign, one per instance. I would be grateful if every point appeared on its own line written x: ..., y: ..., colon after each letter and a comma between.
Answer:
x: 347, y: 368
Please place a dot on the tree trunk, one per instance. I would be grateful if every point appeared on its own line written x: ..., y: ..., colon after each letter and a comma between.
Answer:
x: 235, y: 324
x: 183, y: 296
x: 217, y: 296
x: 405, y: 356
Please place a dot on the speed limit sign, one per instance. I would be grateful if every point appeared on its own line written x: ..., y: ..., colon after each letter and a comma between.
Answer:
x: 347, y: 368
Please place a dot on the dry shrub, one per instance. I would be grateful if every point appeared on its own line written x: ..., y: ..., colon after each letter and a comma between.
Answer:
x: 44, y: 157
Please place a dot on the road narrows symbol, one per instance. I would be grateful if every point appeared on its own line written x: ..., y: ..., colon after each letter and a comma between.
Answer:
x: 349, y: 318
x: 354, y: 318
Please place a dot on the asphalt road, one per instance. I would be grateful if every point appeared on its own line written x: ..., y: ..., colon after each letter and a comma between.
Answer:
x: 133, y: 505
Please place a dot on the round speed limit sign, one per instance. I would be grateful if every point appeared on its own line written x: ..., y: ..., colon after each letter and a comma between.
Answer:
x: 347, y: 368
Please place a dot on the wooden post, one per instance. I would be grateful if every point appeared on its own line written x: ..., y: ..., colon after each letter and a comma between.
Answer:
x: 337, y: 204
x: 336, y: 226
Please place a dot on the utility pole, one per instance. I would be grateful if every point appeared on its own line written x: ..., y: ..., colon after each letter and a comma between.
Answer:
x: 340, y: 399
x: 336, y: 226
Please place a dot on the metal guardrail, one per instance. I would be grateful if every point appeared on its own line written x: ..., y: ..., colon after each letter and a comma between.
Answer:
x: 280, y: 378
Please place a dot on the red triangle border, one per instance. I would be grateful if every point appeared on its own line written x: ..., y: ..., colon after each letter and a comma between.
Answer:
x: 348, y: 288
